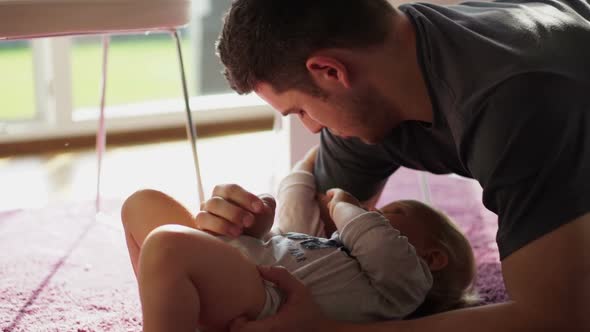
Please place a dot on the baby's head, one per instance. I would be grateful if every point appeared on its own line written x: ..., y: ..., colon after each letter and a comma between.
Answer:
x: 444, y: 248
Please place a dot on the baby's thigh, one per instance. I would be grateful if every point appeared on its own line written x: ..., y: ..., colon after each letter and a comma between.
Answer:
x: 227, y: 282
x: 147, y: 209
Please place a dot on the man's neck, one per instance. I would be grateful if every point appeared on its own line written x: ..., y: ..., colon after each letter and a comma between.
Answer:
x: 400, y: 77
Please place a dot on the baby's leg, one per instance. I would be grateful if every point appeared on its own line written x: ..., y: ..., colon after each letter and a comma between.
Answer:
x: 145, y: 210
x: 190, y: 279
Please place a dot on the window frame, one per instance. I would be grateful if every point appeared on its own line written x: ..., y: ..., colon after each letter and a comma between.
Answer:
x: 56, y: 117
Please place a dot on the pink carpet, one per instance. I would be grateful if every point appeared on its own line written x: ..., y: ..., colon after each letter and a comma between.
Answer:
x: 63, y: 268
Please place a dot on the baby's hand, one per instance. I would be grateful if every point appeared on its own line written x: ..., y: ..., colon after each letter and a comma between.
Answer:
x: 336, y: 196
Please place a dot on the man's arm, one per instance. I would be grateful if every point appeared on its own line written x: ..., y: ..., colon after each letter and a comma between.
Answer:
x: 548, y: 281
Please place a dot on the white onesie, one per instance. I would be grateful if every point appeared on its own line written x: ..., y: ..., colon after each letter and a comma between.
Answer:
x: 365, y: 272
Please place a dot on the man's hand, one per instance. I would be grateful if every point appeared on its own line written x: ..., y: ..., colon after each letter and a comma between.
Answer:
x: 263, y: 221
x: 232, y: 210
x: 298, y: 313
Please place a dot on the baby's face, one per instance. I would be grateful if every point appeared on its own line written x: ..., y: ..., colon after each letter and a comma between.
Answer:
x: 405, y: 219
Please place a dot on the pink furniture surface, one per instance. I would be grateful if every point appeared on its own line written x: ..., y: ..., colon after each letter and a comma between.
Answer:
x: 21, y: 19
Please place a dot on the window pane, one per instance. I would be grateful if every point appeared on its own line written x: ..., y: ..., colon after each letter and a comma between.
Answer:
x: 140, y: 68
x: 211, y: 79
x: 145, y: 67
x: 17, y: 89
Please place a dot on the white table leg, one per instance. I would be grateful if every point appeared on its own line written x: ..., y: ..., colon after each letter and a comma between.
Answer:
x: 101, y: 132
x: 190, y: 127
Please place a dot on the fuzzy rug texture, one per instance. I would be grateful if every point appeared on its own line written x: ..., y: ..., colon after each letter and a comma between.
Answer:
x: 65, y: 268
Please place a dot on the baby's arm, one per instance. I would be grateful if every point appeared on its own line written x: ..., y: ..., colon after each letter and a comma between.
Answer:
x: 386, y: 257
x: 297, y: 209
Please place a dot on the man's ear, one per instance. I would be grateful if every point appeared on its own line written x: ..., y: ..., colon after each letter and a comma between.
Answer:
x: 437, y: 259
x: 328, y: 72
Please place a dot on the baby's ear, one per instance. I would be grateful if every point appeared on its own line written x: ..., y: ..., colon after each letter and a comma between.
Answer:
x: 437, y: 259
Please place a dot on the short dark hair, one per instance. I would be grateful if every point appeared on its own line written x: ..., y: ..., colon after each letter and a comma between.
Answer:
x: 270, y: 40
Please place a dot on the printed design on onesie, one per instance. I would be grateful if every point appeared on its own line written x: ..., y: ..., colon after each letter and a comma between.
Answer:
x: 311, y: 242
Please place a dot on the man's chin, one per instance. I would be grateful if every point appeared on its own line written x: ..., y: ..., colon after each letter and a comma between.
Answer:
x: 365, y: 140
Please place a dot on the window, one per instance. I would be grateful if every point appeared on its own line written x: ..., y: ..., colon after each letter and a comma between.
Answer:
x: 17, y: 82
x: 140, y: 68
x: 53, y: 85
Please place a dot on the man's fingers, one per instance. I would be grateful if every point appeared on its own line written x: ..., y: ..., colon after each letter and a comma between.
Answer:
x: 241, y: 324
x: 298, y: 312
x: 211, y: 223
x: 239, y: 196
x: 269, y: 202
x: 229, y: 211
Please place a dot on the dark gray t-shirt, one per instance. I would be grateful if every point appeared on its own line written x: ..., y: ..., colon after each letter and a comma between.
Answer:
x: 510, y: 87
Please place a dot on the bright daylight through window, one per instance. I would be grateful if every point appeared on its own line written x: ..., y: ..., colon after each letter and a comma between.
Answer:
x: 51, y: 86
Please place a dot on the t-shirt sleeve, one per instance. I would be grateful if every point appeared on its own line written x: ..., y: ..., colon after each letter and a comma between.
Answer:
x: 530, y: 152
x: 356, y: 167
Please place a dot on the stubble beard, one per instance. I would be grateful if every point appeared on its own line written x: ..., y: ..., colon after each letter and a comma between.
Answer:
x: 372, y: 115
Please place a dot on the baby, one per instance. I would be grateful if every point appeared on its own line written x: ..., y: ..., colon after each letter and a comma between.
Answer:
x: 405, y: 259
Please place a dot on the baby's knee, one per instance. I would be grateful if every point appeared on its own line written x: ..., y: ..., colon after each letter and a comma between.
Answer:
x: 163, y: 245
x: 137, y: 202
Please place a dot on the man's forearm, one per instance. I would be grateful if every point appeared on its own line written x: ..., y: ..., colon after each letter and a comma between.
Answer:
x: 505, y: 317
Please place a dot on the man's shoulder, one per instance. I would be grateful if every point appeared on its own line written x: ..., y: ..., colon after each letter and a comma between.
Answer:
x: 539, y: 91
x: 522, y: 121
x: 470, y: 50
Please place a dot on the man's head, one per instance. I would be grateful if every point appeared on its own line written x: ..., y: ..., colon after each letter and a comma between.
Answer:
x: 305, y: 57
x: 271, y: 40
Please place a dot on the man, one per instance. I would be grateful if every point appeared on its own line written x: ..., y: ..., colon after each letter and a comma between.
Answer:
x: 493, y: 91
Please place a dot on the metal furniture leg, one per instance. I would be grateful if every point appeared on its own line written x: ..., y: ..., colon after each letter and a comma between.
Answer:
x: 101, y: 132
x: 190, y: 127
x: 425, y: 188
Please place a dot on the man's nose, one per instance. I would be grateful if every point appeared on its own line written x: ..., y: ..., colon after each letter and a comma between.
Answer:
x: 311, y: 125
